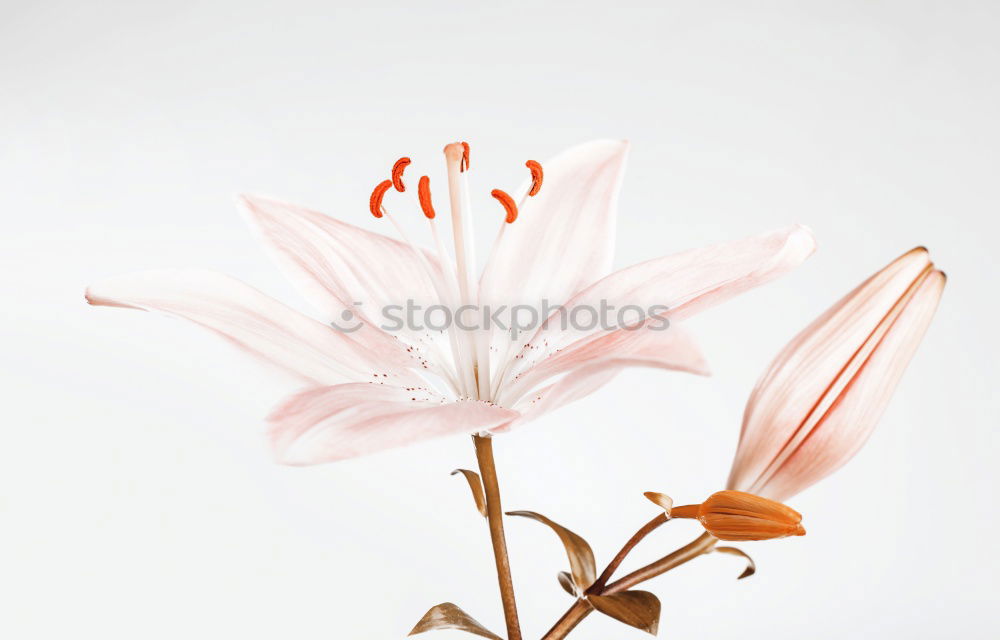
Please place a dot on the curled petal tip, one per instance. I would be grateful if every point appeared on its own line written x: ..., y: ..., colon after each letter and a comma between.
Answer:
x: 805, y: 237
x: 661, y: 500
x: 97, y: 300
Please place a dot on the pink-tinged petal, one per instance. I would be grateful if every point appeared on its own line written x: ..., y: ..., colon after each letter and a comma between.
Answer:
x: 822, y: 396
x: 572, y: 387
x: 687, y: 282
x: 336, y: 265
x: 564, y: 237
x: 802, y: 374
x: 672, y: 288
x: 656, y: 345
x: 333, y: 423
x: 301, y: 346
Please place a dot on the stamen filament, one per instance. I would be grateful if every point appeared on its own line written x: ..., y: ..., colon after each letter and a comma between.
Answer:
x: 507, y: 359
x: 428, y: 270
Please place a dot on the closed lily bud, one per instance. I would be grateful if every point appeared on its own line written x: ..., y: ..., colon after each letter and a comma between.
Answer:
x: 735, y: 515
x: 820, y: 399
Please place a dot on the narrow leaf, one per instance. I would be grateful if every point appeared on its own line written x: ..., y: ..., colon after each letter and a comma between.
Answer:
x: 662, y: 500
x: 449, y: 616
x: 566, y: 582
x: 639, y: 609
x: 581, y: 557
x: 751, y: 565
x: 477, y: 488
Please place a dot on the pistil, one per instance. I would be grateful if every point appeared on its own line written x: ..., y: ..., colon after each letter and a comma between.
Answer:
x: 477, y: 341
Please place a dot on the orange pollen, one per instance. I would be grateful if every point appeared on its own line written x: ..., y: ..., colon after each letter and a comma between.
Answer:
x: 508, y: 204
x: 536, y: 176
x: 424, y: 195
x: 375, y: 204
x: 397, y: 174
x: 465, y: 156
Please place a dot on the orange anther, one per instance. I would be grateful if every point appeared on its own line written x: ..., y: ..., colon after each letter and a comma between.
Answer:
x: 424, y: 195
x: 536, y: 176
x: 508, y: 204
x: 397, y: 174
x: 375, y: 204
x: 465, y: 156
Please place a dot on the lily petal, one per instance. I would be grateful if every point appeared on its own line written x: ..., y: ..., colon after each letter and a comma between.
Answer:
x: 336, y: 265
x: 672, y: 287
x: 564, y: 237
x: 821, y: 397
x: 587, y: 370
x: 671, y: 347
x: 333, y: 423
x: 696, y: 279
x: 259, y: 324
x: 572, y: 387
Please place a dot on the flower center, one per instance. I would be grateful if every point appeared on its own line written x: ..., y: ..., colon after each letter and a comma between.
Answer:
x: 471, y: 370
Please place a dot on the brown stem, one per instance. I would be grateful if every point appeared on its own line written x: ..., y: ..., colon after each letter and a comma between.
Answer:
x: 699, y: 546
x: 648, y: 528
x: 573, y: 616
x: 494, y: 515
x: 581, y: 609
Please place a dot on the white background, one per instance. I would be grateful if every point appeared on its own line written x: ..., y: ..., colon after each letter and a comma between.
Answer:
x: 138, y: 498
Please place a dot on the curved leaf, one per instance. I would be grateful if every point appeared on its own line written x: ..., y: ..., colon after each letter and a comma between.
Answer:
x: 751, y: 565
x: 566, y: 582
x: 581, y: 556
x: 661, y: 500
x: 639, y: 609
x: 476, y: 485
x: 450, y: 616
